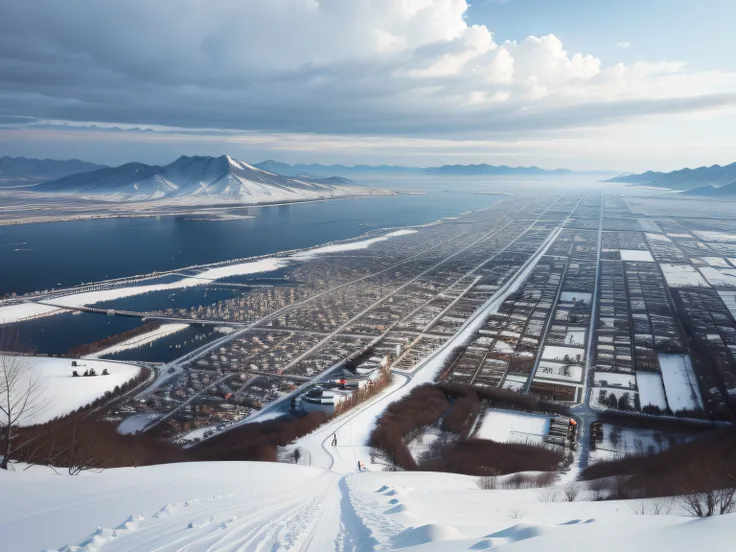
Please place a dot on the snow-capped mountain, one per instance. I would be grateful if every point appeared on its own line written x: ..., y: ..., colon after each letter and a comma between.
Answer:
x: 199, y: 179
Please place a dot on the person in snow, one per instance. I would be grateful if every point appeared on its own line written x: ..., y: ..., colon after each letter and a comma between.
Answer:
x: 361, y: 466
x: 334, y: 439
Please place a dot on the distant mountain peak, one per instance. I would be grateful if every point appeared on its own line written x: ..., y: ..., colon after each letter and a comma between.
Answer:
x: 201, y: 178
x: 703, y: 178
x: 39, y: 170
x: 314, y: 169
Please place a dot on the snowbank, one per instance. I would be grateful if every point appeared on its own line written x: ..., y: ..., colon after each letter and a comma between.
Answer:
x: 350, y: 246
x: 62, y: 393
x: 24, y: 311
x: 140, y: 340
x: 206, y: 277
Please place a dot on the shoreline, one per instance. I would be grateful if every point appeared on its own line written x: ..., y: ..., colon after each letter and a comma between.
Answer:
x: 195, y: 210
x: 364, y: 240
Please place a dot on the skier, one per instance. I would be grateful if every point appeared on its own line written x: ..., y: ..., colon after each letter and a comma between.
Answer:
x: 334, y: 439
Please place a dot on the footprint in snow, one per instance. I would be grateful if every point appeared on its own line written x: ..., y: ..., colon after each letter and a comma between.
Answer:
x: 201, y: 522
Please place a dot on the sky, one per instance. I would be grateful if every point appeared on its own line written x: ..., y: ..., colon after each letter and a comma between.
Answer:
x: 626, y: 85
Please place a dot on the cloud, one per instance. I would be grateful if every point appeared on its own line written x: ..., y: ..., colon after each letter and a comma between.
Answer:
x: 623, y: 44
x: 364, y: 67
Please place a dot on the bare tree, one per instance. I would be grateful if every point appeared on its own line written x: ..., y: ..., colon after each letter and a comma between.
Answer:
x: 708, y: 488
x: 21, y: 397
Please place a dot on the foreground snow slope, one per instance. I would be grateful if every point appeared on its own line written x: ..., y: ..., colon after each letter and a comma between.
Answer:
x: 219, y: 507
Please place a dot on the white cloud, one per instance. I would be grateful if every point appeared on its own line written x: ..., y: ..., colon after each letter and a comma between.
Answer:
x: 368, y: 67
x: 623, y: 44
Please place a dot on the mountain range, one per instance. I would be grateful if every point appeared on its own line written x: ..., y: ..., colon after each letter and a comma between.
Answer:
x: 199, y: 179
x: 17, y: 171
x: 715, y: 181
x: 368, y: 170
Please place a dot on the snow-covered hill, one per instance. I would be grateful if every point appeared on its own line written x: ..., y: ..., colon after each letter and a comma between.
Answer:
x: 240, y: 506
x: 199, y: 179
x: 58, y: 392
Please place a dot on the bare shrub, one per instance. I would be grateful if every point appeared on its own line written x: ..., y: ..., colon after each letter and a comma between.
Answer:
x: 488, y: 483
x: 257, y: 441
x: 571, y: 491
x: 552, y: 494
x: 599, y: 488
x: 544, y: 479
x: 482, y: 457
x: 715, y: 502
x: 662, y: 506
x: 81, y: 443
x: 423, y: 407
x: 658, y: 507
x: 463, y: 413
x: 516, y: 514
x: 698, y: 466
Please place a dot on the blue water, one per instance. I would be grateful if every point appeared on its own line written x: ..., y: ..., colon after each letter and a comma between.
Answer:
x: 55, y: 335
x: 170, y: 347
x: 42, y: 256
x: 174, y: 299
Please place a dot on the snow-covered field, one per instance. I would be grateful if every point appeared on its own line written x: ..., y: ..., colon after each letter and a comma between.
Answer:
x: 60, y: 392
x: 137, y: 422
x: 614, y: 379
x: 729, y: 298
x: 717, y: 262
x: 24, y: 311
x: 715, y: 236
x: 627, y: 441
x: 680, y: 382
x: 566, y: 296
x: 562, y: 372
x: 599, y: 396
x: 244, y: 506
x: 350, y: 246
x: 506, y: 426
x: 636, y: 255
x: 651, y: 390
x: 140, y: 340
x: 682, y: 275
x: 719, y: 277
x: 562, y: 354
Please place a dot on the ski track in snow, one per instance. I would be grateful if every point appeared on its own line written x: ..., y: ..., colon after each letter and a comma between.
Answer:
x: 292, y: 519
x: 291, y: 508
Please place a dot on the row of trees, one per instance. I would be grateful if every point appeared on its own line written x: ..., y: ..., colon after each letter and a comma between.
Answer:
x: 454, y: 408
x: 698, y: 473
